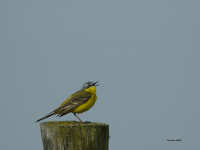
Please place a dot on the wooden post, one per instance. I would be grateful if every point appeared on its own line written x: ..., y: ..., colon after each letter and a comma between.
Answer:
x: 71, y: 135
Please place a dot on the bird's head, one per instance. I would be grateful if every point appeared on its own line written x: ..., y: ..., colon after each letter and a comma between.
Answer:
x: 89, y: 84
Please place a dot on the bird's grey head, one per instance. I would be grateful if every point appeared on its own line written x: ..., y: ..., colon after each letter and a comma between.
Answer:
x: 89, y: 84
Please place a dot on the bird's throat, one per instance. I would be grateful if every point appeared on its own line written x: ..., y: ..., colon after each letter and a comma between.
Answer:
x: 91, y: 89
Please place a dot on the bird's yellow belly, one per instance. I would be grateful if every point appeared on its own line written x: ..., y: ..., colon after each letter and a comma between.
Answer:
x: 85, y: 107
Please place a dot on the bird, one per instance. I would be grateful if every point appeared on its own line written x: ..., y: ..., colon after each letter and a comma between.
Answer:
x: 78, y: 102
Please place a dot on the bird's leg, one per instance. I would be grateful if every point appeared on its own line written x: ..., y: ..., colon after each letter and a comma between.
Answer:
x: 78, y: 118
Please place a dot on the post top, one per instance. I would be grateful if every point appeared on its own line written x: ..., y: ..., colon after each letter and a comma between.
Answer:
x: 72, y: 123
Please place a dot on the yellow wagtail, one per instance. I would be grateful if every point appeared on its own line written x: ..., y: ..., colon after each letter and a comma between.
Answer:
x: 78, y: 102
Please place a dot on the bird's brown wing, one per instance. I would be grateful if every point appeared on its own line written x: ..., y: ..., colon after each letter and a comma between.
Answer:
x: 76, y: 100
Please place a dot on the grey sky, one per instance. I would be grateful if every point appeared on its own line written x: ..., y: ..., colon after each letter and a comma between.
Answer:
x: 145, y: 55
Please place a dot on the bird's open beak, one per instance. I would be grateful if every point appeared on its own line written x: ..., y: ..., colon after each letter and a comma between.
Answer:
x: 96, y: 83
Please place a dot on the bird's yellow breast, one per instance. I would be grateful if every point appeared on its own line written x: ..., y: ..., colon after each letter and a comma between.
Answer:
x: 86, y: 106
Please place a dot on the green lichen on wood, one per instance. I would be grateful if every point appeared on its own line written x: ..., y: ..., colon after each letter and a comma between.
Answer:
x: 65, y: 135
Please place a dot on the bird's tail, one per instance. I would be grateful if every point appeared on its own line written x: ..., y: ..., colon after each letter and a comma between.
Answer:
x: 48, y: 115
